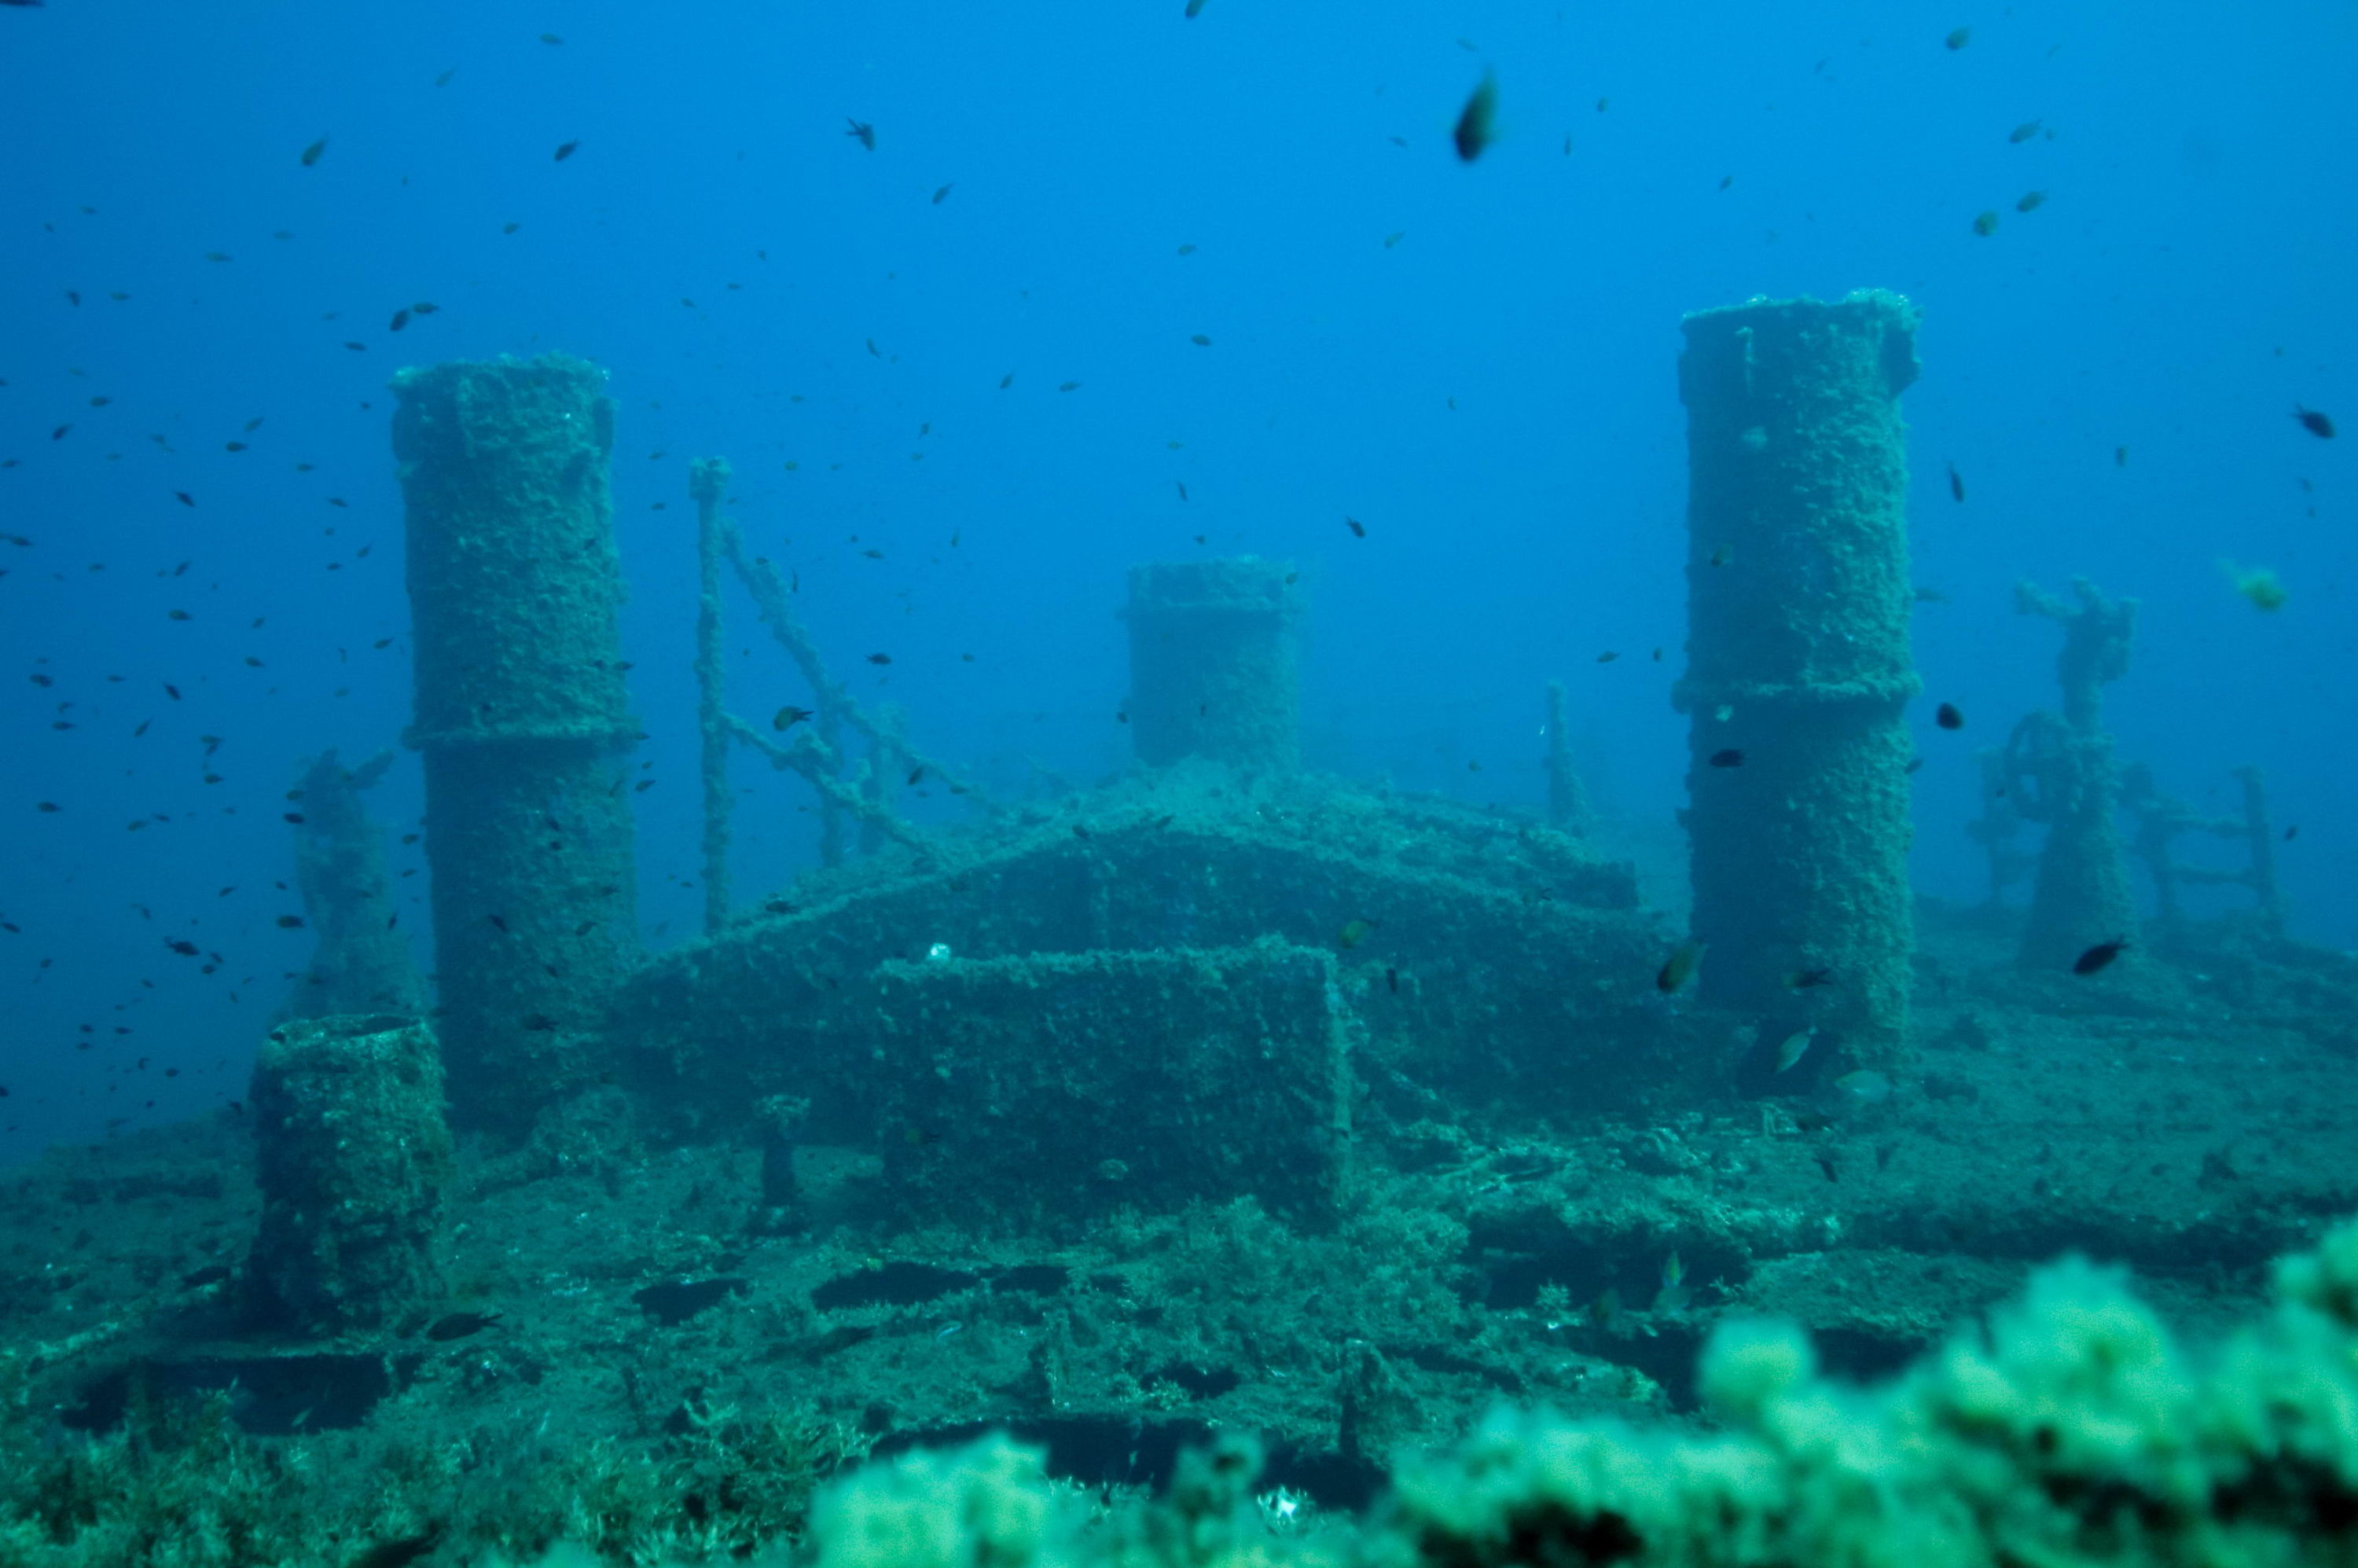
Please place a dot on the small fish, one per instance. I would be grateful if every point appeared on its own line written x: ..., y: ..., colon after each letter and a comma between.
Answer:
x: 1195, y: 9
x: 311, y: 154
x: 1186, y: 250
x: 1956, y: 483
x: 880, y: 658
x: 2030, y: 202
x: 1183, y: 488
x: 1359, y: 529
x: 1392, y: 240
x: 185, y: 948
x: 1803, y: 979
x: 460, y: 1324
x: 916, y: 774
x: 941, y: 193
x: 550, y: 39
x: 1608, y: 656
x: 1477, y: 121
x: 184, y: 498
x: 290, y: 923
x: 2259, y: 585
x: 1679, y: 969
x: 2099, y: 957
x: 1796, y: 1044
x: 422, y: 308
x: 1959, y: 38
x: 1007, y: 381
x: 1722, y: 554
x: 1354, y: 932
x: 1865, y: 1086
x: 1728, y: 757
x: 1985, y: 224
x: 565, y: 149
x: 865, y: 134
x: 1948, y: 716
x: 1672, y: 1296
x: 1069, y: 386
x: 2318, y: 425
x: 788, y: 717
x: 400, y: 320
x: 2022, y: 133
x: 1200, y: 340
x: 2120, y: 457
x: 444, y: 79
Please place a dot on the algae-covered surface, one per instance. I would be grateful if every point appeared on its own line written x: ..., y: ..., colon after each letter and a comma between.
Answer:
x: 1189, y: 1110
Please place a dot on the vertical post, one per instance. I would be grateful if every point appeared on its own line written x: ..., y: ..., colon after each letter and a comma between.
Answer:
x: 363, y: 962
x: 1212, y: 667
x: 1568, y: 802
x: 522, y: 714
x: 2261, y: 834
x: 2065, y: 777
x: 1798, y: 666
x: 708, y: 482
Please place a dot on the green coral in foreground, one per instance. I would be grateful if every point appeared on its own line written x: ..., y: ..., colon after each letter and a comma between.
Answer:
x: 2073, y: 1431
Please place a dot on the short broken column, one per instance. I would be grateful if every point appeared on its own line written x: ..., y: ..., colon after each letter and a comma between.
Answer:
x: 1212, y: 663
x: 1799, y: 667
x: 354, y: 1156
x: 515, y: 593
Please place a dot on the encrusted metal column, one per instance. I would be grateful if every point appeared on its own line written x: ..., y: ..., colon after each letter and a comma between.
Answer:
x: 354, y: 1156
x: 523, y: 717
x: 1799, y: 666
x: 1212, y: 663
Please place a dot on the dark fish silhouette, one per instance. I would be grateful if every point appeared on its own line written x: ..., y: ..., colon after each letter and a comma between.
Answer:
x: 865, y: 132
x: 2313, y: 422
x: 1477, y: 122
x: 2099, y: 957
x: 1948, y: 718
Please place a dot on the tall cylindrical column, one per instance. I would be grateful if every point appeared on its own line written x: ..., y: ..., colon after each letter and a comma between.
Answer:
x: 1212, y: 669
x: 1798, y: 661
x: 523, y: 717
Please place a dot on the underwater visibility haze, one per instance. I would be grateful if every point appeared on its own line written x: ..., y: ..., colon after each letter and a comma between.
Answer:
x: 1191, y: 781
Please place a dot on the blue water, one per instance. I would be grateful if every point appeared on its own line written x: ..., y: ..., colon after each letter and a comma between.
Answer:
x: 724, y: 248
